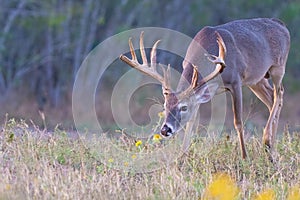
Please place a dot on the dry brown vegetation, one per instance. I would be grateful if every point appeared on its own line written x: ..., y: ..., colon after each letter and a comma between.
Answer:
x: 37, y: 164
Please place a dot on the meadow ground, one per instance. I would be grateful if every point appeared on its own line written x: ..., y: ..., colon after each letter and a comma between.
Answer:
x: 36, y: 164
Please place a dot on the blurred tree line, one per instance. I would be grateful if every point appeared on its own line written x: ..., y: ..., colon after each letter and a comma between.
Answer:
x: 43, y: 42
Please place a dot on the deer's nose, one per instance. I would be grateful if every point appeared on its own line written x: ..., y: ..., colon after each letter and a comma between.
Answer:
x: 166, y: 131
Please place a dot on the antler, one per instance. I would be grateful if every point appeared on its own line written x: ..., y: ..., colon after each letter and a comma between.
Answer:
x: 145, y: 68
x: 217, y: 60
x: 222, y: 51
x: 193, y: 85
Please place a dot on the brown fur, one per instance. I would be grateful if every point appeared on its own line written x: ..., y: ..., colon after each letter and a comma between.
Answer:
x: 256, y: 49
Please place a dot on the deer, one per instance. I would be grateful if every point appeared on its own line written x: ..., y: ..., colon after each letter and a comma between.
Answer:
x: 246, y: 52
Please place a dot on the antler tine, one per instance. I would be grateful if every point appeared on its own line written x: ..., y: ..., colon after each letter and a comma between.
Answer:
x: 222, y: 47
x: 192, y: 86
x: 218, y: 60
x: 222, y: 51
x: 132, y: 52
x: 195, y: 77
x: 153, y: 55
x: 167, y: 77
x: 142, y: 49
x: 144, y: 67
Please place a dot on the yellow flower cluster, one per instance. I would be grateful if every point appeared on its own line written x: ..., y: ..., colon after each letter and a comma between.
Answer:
x: 294, y: 193
x: 222, y: 187
x: 133, y: 156
x: 156, y: 138
x: 161, y: 114
x: 267, y: 194
x: 138, y: 143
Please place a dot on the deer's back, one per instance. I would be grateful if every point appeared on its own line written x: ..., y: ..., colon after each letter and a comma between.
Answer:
x: 253, y: 46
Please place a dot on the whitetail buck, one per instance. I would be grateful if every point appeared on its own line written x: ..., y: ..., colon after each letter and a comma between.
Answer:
x: 253, y: 50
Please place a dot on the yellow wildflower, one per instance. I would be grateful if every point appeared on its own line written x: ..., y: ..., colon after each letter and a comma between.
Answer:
x: 138, y: 143
x: 161, y: 114
x: 156, y: 137
x: 294, y: 193
x: 133, y: 156
x: 111, y: 160
x: 7, y: 186
x: 126, y: 164
x: 222, y: 187
x: 267, y: 194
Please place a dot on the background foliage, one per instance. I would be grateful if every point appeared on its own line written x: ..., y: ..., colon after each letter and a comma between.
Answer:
x: 42, y: 43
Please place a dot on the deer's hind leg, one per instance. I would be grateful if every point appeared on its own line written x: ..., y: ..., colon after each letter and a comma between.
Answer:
x: 264, y: 92
x: 277, y: 73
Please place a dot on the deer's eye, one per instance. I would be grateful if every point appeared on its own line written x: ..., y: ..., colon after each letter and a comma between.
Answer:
x: 183, y: 108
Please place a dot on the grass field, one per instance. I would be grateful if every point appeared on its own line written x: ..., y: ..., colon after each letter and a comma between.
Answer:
x: 35, y: 164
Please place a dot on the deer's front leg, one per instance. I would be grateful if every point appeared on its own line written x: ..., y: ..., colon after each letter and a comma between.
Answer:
x: 237, y: 106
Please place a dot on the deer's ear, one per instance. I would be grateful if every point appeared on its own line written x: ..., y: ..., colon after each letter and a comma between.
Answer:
x: 206, y: 92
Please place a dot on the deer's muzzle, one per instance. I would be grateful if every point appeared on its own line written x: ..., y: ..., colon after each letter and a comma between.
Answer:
x: 166, y: 131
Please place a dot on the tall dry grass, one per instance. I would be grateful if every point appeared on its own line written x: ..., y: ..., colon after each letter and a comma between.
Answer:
x: 36, y: 164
